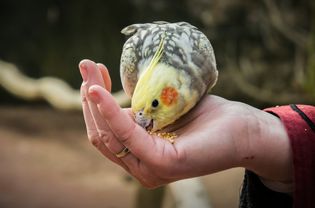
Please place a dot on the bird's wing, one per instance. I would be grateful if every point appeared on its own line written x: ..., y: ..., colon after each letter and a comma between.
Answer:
x: 194, y: 54
x: 137, y: 53
x: 208, y: 63
x: 130, y: 57
x: 128, y: 69
x: 203, y: 57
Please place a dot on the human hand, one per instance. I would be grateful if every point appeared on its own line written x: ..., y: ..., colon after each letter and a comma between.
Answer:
x: 216, y: 135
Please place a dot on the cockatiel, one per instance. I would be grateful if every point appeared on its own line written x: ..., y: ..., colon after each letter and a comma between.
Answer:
x: 165, y: 68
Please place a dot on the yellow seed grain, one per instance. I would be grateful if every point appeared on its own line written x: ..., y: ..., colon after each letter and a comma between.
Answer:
x: 170, y: 136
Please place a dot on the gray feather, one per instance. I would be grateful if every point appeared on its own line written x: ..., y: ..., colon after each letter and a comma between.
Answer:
x: 185, y: 48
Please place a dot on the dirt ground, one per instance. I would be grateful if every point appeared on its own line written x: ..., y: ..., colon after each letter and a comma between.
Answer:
x: 46, y: 161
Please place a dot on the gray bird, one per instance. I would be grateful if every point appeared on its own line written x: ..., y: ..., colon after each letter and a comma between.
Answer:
x: 165, y: 68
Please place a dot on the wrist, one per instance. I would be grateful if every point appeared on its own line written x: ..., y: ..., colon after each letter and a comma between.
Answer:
x: 267, y: 149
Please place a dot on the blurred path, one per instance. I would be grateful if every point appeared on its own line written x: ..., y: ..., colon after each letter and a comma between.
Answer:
x: 46, y: 161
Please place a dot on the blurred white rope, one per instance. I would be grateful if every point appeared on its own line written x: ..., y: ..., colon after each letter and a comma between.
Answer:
x: 55, y: 91
x: 190, y: 193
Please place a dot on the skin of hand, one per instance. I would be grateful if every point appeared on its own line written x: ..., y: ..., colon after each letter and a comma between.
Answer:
x: 216, y: 135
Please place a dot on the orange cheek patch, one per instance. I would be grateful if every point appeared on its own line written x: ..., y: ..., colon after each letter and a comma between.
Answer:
x: 169, y: 96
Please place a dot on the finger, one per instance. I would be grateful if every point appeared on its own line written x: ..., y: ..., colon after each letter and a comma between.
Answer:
x: 106, y: 135
x: 90, y: 73
x: 104, y: 150
x: 86, y: 68
x: 106, y: 78
x: 129, y: 162
x: 93, y: 133
x: 131, y: 135
x: 104, y: 132
x: 89, y: 121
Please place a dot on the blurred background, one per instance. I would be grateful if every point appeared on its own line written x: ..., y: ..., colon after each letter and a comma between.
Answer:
x: 265, y: 53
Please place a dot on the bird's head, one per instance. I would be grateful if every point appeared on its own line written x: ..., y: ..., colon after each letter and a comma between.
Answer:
x: 157, y: 100
x: 162, y: 93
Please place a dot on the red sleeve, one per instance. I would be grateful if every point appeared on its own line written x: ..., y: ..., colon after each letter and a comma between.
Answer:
x: 299, y: 122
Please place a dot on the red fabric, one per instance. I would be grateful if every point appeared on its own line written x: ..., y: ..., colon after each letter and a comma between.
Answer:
x: 302, y: 139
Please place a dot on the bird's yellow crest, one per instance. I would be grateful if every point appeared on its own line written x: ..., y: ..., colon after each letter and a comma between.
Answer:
x: 139, y: 98
x: 156, y: 58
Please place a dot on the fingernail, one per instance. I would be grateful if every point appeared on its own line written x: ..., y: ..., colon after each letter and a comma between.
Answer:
x: 83, y: 71
x: 94, y: 96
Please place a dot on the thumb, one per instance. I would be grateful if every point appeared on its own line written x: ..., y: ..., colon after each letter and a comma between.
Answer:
x: 130, y: 134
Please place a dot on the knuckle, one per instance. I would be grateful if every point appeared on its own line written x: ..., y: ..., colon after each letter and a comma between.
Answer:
x: 104, y: 136
x: 95, y: 142
x: 83, y: 93
x: 83, y: 88
x: 94, y: 139
x: 126, y: 136
x: 83, y: 99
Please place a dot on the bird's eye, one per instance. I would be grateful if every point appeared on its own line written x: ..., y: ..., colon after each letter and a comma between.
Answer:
x: 155, y: 103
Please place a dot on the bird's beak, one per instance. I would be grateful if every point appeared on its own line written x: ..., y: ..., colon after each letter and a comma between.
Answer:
x: 143, y: 120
